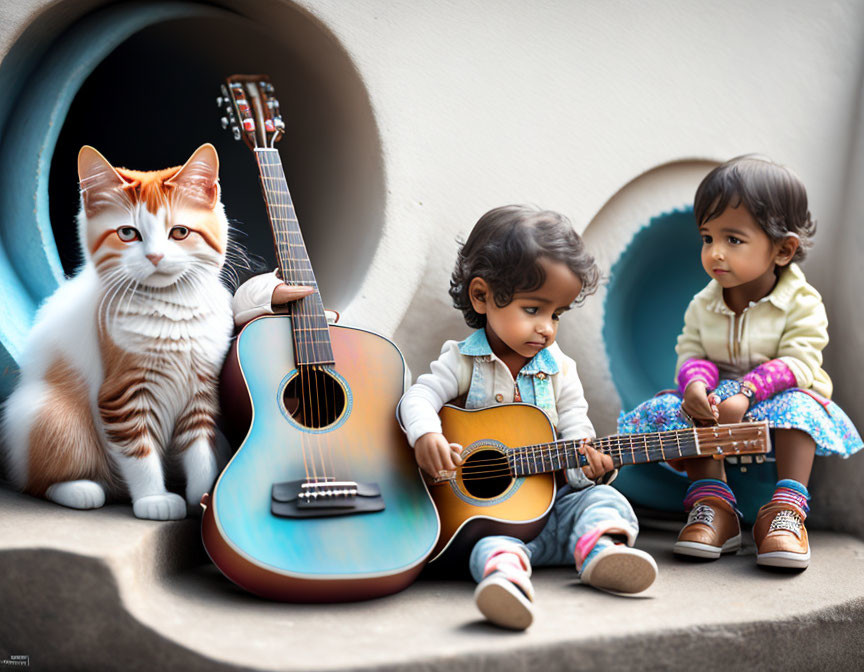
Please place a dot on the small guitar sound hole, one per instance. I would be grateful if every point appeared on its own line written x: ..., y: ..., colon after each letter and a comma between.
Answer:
x: 486, y: 474
x: 314, y: 398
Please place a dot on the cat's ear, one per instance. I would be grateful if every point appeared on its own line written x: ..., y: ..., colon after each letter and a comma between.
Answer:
x: 95, y: 177
x: 199, y: 176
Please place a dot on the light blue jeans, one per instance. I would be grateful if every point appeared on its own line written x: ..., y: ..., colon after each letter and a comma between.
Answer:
x: 574, y: 514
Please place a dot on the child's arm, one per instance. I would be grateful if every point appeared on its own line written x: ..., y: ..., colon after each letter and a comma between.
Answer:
x: 799, y: 358
x: 573, y: 423
x: 695, y: 375
x: 418, y: 411
x: 800, y: 347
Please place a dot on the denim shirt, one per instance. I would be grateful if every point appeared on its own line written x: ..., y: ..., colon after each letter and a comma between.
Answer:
x: 469, y: 368
x: 534, y: 379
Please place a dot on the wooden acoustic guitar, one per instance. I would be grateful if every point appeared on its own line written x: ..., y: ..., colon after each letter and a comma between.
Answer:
x: 505, y: 483
x: 323, y: 500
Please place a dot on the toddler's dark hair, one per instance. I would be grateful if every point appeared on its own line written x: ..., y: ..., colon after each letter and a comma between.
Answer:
x: 504, y: 249
x: 772, y: 194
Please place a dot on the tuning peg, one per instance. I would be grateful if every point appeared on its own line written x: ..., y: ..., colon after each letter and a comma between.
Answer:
x: 224, y: 122
x: 236, y: 133
x: 219, y: 101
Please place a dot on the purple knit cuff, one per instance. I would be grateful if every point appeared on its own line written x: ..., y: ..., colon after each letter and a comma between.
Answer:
x: 769, y: 378
x: 698, y: 369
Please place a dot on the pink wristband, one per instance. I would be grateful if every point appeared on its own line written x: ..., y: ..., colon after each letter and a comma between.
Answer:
x: 698, y: 369
x: 769, y: 378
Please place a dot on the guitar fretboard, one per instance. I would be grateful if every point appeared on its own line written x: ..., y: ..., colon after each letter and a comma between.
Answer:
x: 311, y: 331
x: 641, y: 448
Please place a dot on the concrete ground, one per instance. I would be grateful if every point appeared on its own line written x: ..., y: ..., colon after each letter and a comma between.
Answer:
x: 99, y: 590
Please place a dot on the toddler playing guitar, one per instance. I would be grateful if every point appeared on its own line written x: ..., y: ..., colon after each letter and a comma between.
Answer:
x: 519, y: 271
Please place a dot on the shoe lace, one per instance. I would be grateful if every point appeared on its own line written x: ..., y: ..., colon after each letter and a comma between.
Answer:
x: 787, y: 520
x: 701, y: 513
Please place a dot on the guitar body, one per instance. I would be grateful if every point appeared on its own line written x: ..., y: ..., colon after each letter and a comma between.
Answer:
x: 484, y: 498
x: 322, y: 558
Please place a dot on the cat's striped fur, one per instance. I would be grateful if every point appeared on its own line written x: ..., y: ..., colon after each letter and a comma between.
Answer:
x: 121, y: 366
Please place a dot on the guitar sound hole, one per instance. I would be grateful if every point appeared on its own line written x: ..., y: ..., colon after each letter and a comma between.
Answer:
x: 314, y: 398
x: 486, y: 474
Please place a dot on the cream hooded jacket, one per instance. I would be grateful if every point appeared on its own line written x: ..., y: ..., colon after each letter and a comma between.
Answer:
x: 789, y: 324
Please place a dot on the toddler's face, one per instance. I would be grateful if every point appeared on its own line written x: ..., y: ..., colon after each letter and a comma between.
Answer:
x: 529, y: 322
x: 735, y: 249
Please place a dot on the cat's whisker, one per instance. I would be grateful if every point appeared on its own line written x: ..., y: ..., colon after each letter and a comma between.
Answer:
x: 111, y: 315
x: 112, y: 282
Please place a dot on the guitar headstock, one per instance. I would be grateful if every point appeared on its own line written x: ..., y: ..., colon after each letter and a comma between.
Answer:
x: 251, y: 110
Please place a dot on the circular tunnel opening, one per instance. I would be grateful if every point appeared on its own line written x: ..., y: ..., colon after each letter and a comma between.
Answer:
x: 151, y: 102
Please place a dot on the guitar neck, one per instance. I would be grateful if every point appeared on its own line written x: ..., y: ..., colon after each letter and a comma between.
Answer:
x: 625, y: 449
x: 311, y: 331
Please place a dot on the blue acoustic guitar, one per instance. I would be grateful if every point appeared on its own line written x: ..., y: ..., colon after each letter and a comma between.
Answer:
x: 323, y: 500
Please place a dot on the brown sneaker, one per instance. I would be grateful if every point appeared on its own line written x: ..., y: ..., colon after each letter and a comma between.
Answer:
x: 712, y: 528
x: 780, y: 536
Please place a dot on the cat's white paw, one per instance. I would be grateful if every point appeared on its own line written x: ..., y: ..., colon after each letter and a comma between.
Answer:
x: 77, y: 494
x: 168, y: 506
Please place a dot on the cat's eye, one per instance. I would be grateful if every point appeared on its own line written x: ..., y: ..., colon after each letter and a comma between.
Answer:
x: 128, y: 233
x: 179, y: 232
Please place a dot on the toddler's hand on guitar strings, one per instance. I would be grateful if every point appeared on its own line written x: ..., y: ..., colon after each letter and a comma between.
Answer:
x: 436, y: 456
x: 598, y: 463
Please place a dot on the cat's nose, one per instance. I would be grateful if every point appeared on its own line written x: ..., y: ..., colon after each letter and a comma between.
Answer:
x: 154, y: 258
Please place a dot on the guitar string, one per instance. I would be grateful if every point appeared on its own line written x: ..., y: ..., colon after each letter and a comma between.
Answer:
x: 287, y: 259
x: 313, y: 372
x: 612, y: 451
x: 285, y: 242
x: 704, y: 434
x: 502, y: 465
x: 567, y: 462
x: 504, y: 468
x: 301, y: 335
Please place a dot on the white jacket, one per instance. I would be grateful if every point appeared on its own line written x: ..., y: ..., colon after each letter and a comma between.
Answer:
x: 549, y: 380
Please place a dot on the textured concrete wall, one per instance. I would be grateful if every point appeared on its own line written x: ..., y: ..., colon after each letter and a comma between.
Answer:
x: 565, y: 104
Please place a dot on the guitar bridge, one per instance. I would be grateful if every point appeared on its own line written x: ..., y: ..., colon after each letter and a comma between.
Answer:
x: 325, y: 497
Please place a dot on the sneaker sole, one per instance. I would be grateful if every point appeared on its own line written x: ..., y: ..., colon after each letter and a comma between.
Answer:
x: 696, y: 550
x: 629, y: 572
x: 503, y: 604
x: 784, y: 559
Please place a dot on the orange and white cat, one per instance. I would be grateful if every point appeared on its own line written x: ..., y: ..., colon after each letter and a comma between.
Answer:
x: 120, y: 370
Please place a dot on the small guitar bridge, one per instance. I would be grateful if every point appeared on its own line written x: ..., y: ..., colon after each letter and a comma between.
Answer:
x: 326, y: 497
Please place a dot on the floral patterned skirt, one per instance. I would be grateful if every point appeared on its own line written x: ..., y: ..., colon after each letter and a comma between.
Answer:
x: 822, y: 419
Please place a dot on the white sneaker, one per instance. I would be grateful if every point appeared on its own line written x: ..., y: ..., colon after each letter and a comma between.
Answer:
x: 620, y: 569
x: 503, y: 603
